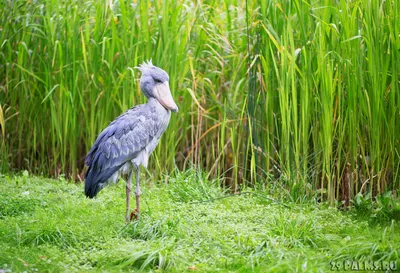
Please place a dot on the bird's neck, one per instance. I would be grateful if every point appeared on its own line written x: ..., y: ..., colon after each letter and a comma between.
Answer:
x: 155, y: 102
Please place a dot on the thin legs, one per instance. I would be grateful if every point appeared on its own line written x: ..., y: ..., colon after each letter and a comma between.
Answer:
x: 137, y: 193
x: 128, y: 197
x: 136, y: 212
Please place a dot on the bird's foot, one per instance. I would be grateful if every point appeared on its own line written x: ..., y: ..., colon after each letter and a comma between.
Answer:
x: 135, y: 214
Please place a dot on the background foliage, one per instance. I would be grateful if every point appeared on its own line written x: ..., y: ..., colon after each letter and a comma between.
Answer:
x: 305, y: 93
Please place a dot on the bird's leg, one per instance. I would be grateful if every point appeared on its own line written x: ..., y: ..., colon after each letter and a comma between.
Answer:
x: 128, y: 197
x: 137, y: 193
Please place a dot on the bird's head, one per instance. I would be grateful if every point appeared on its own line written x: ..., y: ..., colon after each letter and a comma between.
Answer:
x: 155, y: 84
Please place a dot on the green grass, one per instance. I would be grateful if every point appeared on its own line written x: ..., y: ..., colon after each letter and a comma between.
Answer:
x: 49, y: 226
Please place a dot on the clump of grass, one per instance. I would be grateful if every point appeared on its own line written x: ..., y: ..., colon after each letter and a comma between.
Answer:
x: 143, y: 255
x: 55, y: 236
x: 384, y: 207
x: 14, y: 206
x: 148, y: 228
x: 192, y: 186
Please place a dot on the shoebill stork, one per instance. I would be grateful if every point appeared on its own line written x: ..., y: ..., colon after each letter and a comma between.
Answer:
x: 129, y: 140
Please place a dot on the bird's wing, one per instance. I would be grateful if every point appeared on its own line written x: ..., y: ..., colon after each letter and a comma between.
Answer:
x: 120, y: 142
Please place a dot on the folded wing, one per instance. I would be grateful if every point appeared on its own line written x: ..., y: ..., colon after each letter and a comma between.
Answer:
x: 119, y: 143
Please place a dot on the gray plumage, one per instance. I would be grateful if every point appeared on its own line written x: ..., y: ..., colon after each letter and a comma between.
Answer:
x: 130, y: 139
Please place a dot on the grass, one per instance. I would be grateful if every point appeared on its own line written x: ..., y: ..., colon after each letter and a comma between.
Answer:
x: 301, y: 91
x: 188, y: 224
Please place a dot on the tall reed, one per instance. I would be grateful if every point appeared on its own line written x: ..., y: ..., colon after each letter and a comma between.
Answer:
x: 302, y: 92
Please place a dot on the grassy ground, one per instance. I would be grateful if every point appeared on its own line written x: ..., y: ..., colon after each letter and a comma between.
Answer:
x: 49, y: 226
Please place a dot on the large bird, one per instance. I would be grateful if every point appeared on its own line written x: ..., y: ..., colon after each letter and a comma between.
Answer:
x: 130, y: 139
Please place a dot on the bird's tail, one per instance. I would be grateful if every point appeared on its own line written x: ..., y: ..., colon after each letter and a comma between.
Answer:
x: 96, y: 179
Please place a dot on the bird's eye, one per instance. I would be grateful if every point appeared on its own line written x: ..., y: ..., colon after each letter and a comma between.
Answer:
x: 157, y: 81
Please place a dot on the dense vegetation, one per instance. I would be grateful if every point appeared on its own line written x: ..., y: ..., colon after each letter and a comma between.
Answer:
x: 49, y: 226
x: 303, y: 92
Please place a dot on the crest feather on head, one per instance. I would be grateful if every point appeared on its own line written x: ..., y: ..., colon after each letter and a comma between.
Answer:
x: 144, y: 66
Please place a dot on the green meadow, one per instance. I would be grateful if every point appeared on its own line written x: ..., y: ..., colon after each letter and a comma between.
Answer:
x: 187, y: 225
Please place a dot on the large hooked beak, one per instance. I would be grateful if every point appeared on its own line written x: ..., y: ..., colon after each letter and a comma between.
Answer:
x: 163, y: 95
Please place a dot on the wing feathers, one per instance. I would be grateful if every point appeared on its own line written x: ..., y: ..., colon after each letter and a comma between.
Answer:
x: 120, y: 142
